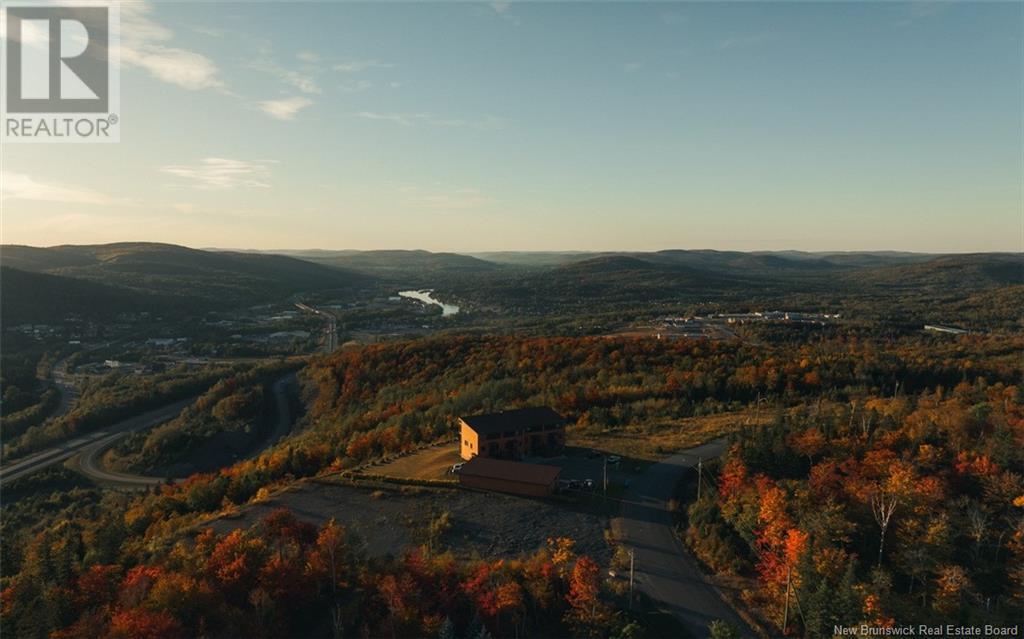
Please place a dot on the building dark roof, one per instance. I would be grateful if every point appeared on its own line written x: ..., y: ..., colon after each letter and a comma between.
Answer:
x: 510, y: 471
x: 518, y: 419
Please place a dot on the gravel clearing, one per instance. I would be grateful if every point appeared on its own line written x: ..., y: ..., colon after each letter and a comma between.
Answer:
x: 391, y: 520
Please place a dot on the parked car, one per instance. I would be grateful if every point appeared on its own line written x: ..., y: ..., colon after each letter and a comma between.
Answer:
x: 457, y: 467
x: 588, y: 484
x: 614, y: 459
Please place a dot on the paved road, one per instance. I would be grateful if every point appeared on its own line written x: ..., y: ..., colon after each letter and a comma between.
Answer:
x: 91, y: 466
x: 66, y: 388
x: 330, y: 341
x: 59, y: 453
x: 283, y: 412
x: 664, y: 568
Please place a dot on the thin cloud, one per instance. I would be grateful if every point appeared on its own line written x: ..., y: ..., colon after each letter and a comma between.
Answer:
x: 356, y: 87
x: 19, y: 186
x: 210, y: 32
x: 410, y: 119
x: 486, y: 123
x: 144, y: 45
x: 502, y: 10
x: 405, y: 119
x: 358, y: 66
x: 632, y: 67
x: 222, y: 173
x: 918, y: 11
x: 303, y: 80
x: 308, y: 56
x: 284, y: 109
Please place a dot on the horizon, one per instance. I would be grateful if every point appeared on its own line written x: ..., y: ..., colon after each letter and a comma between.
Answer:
x: 474, y: 252
x: 548, y: 127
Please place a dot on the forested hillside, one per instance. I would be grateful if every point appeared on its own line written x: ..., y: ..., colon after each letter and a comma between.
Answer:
x: 198, y: 279
x: 83, y: 561
x: 905, y: 508
x: 41, y: 298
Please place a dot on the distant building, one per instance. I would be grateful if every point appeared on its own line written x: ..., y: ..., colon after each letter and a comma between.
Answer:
x: 518, y: 478
x: 165, y: 341
x: 939, y: 328
x: 511, y: 434
x: 283, y: 336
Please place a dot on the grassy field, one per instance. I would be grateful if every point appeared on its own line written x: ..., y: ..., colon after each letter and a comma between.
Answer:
x: 432, y: 463
x: 650, y: 443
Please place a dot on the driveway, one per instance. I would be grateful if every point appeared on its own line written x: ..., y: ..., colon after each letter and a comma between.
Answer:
x: 664, y: 569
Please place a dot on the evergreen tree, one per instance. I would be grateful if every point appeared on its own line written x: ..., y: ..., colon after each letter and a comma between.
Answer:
x: 447, y: 629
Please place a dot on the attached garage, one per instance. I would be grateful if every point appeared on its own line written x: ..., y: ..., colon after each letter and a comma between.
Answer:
x: 518, y: 478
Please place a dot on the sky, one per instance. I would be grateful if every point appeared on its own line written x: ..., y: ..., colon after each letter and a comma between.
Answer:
x: 548, y: 126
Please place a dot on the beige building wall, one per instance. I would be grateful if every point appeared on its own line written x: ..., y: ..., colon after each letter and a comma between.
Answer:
x: 469, y: 443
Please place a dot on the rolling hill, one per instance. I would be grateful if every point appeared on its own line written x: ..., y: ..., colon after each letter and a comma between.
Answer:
x: 400, y: 263
x: 41, y: 298
x: 200, y: 278
x: 969, y: 271
x: 803, y: 280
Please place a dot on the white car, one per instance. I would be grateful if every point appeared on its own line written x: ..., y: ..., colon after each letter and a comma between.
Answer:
x: 457, y: 467
x: 614, y: 459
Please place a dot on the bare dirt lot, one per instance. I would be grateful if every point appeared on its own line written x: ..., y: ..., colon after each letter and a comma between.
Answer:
x: 391, y: 520
x: 430, y: 463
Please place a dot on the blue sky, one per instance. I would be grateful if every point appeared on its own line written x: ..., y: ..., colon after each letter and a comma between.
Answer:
x: 546, y: 126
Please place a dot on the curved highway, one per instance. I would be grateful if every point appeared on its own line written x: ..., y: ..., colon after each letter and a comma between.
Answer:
x: 57, y: 454
x: 664, y: 569
x: 68, y: 391
x: 91, y: 465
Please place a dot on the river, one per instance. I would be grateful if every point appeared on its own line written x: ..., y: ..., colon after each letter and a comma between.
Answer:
x: 426, y: 297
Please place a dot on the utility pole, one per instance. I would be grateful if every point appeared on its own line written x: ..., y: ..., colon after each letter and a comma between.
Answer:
x: 632, y: 556
x: 700, y: 475
x: 785, y: 610
x: 605, y: 470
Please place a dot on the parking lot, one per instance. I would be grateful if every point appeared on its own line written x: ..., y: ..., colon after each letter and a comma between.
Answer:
x: 581, y: 464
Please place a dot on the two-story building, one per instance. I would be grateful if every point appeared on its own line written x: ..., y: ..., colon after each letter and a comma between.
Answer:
x: 511, y: 434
